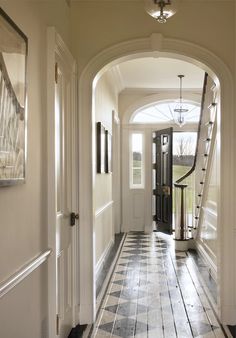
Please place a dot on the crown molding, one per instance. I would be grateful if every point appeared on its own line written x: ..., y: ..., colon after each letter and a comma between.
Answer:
x: 116, y: 78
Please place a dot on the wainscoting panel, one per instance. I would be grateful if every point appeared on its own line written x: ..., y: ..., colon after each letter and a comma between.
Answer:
x: 104, y: 231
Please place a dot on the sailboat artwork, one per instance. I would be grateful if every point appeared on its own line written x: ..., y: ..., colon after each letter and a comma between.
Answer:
x: 13, y: 54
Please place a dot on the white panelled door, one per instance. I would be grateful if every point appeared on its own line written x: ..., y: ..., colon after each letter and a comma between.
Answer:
x: 64, y: 197
x: 136, y: 179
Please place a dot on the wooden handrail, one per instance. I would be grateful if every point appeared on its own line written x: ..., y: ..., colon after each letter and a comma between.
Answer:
x: 198, y: 133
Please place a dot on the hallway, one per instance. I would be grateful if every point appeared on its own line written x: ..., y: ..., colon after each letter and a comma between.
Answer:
x: 155, y: 292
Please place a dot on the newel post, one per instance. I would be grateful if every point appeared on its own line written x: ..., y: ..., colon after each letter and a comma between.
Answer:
x: 181, y: 226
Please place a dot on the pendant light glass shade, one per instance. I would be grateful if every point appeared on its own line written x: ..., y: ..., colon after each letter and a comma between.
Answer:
x: 161, y: 10
x: 180, y: 109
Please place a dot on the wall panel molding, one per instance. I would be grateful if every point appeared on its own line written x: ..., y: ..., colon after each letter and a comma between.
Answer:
x: 8, y: 284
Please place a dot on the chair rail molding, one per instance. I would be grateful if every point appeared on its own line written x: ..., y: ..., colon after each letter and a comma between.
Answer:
x: 99, y: 211
x: 8, y: 284
x: 160, y: 45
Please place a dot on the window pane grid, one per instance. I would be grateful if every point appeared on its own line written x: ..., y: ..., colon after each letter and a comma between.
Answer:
x: 164, y: 113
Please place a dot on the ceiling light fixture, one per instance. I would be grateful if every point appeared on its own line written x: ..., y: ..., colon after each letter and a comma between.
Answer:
x: 161, y: 10
x: 180, y: 110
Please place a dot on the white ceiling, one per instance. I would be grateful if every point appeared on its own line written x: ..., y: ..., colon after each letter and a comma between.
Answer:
x: 152, y: 72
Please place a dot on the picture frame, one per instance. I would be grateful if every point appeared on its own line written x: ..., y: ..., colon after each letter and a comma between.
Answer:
x: 101, y: 131
x: 108, y: 152
x: 13, y: 107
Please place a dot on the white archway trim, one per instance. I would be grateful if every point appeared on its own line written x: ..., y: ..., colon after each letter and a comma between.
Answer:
x: 157, y: 45
x: 150, y: 100
x: 209, y: 62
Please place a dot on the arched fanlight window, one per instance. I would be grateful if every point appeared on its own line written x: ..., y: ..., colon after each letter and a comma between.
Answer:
x: 163, y: 112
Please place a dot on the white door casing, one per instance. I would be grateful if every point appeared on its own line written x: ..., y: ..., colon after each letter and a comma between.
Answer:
x: 157, y: 44
x: 62, y: 188
x: 116, y: 177
x: 63, y: 201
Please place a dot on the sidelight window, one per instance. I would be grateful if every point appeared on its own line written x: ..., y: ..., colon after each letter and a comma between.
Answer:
x: 137, y: 161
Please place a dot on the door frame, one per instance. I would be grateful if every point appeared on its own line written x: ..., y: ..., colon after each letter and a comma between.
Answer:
x: 56, y: 48
x: 116, y: 172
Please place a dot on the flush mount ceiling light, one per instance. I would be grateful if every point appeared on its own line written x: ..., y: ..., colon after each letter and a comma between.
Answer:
x: 161, y: 10
x: 180, y: 109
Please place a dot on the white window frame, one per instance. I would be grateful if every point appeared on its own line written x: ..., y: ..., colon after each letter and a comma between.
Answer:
x: 131, y: 184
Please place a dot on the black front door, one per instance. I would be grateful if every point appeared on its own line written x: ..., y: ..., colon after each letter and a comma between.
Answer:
x: 163, y: 179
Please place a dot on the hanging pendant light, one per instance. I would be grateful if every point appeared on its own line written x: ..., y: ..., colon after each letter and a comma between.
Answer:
x: 180, y: 109
x: 161, y: 10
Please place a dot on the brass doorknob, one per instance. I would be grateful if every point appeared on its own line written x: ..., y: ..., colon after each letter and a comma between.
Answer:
x: 166, y: 190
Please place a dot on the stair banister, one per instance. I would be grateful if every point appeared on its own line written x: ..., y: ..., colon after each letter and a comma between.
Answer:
x: 181, y: 226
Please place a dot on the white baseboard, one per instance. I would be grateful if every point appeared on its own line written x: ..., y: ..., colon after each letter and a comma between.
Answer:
x: 109, y: 274
x: 228, y: 314
x: 103, y: 257
x: 85, y: 314
x: 207, y: 258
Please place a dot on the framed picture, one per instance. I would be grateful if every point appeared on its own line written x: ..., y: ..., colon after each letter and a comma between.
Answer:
x: 100, y: 148
x: 13, y: 57
x: 108, y: 152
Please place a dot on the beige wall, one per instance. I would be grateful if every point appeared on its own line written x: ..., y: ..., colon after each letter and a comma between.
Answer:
x: 97, y: 25
x: 105, y: 102
x: 23, y: 208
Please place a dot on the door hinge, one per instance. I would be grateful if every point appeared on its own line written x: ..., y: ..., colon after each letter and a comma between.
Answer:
x: 56, y: 72
x: 57, y: 324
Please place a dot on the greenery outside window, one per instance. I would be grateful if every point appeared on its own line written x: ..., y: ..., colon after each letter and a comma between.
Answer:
x: 136, y: 161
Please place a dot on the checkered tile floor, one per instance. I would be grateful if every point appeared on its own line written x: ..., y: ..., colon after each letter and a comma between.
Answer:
x: 155, y: 293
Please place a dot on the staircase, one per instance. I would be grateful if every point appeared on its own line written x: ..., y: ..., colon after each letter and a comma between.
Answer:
x: 204, y: 225
x: 204, y: 156
x: 207, y: 182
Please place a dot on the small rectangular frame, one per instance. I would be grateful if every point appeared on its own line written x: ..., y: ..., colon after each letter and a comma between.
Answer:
x: 100, y: 148
x: 108, y: 153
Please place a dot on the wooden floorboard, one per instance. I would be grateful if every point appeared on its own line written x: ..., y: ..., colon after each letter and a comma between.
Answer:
x: 155, y: 292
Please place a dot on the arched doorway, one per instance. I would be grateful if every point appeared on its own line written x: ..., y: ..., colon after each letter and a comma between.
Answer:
x: 141, y: 120
x: 201, y: 57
